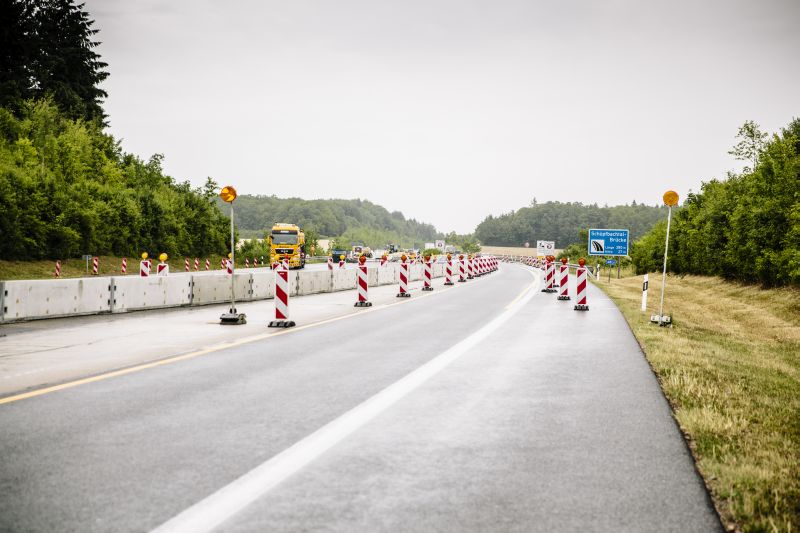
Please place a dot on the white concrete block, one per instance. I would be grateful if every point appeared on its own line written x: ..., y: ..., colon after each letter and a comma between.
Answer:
x: 344, y: 279
x: 27, y: 299
x: 135, y: 292
x: 217, y: 289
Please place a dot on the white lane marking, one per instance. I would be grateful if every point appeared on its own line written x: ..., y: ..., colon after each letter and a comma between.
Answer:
x: 210, y: 512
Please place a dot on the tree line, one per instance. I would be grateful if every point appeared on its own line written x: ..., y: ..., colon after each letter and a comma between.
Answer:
x: 563, y: 222
x: 67, y: 189
x: 746, y: 228
x: 358, y: 221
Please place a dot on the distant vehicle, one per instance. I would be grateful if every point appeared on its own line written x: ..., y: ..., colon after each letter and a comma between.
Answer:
x: 392, y: 248
x: 337, y: 254
x: 287, y: 240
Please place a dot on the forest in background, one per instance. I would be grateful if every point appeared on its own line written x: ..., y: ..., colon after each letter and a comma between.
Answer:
x: 564, y: 223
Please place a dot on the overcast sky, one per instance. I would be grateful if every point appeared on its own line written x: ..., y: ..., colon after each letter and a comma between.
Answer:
x: 448, y: 110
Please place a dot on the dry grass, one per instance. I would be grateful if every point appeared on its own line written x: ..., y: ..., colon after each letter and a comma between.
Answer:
x: 730, y: 366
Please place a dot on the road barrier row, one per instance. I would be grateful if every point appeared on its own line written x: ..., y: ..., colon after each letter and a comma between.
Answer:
x: 553, y: 281
x: 36, y: 299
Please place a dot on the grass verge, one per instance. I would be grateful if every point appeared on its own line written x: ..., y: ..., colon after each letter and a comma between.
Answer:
x: 730, y: 367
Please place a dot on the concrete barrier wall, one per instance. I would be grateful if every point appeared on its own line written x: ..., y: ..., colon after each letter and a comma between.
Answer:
x: 134, y: 293
x: 314, y: 282
x: 24, y: 300
x: 343, y: 280
x: 217, y: 289
x: 27, y: 299
x: 263, y: 285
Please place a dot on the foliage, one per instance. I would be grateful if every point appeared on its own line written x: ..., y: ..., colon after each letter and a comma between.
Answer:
x: 48, y: 51
x: 746, y: 228
x: 431, y: 251
x: 563, y: 222
x: 752, y: 143
x: 356, y: 221
x: 66, y: 189
x: 465, y: 243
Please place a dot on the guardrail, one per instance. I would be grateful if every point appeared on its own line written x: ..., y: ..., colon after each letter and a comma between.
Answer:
x: 36, y: 299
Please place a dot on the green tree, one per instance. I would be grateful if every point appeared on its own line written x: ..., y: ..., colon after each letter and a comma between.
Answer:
x: 751, y: 144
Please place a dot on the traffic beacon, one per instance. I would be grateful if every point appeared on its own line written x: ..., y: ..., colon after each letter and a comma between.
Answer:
x: 563, y: 276
x: 580, y: 289
x: 670, y: 200
x: 231, y: 318
x: 362, y: 283
x: 403, y: 278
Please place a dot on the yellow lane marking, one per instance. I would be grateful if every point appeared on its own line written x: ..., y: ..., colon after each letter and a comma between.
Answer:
x: 204, y: 351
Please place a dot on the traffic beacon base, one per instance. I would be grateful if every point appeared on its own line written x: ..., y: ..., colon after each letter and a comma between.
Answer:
x: 232, y: 318
x: 281, y: 300
x: 281, y: 324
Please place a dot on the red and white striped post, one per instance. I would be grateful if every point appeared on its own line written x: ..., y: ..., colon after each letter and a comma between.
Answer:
x: 448, y: 272
x: 186, y: 264
x: 196, y: 264
x: 124, y: 267
x: 427, y: 274
x: 564, y: 277
x: 549, y: 275
x: 403, y: 278
x: 285, y: 264
x: 341, y: 261
x: 470, y: 267
x: 281, y: 300
x: 162, y: 269
x: 461, y: 269
x: 330, y: 262
x: 580, y: 291
x: 95, y: 265
x: 384, y: 259
x: 58, y: 269
x: 247, y: 262
x: 144, y: 266
x: 255, y: 262
x: 223, y: 264
x: 208, y: 263
x: 362, y: 283
x: 229, y: 265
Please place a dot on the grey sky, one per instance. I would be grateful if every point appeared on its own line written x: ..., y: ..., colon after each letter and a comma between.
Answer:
x: 448, y: 110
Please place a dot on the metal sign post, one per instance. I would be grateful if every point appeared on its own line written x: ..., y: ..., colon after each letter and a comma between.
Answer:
x: 228, y: 194
x: 671, y: 199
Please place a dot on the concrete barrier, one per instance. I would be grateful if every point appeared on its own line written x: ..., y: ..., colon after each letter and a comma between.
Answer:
x: 133, y: 293
x: 343, y: 280
x: 217, y: 289
x: 386, y: 275
x: 313, y: 282
x: 29, y: 299
x: 263, y: 285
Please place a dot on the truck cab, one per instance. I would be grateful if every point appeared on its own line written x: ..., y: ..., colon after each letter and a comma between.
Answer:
x: 287, y: 240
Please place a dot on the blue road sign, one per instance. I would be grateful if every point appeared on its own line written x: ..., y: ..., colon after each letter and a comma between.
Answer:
x: 608, y: 241
x: 611, y: 261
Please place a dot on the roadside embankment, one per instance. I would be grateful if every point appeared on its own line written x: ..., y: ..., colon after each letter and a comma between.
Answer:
x: 730, y: 367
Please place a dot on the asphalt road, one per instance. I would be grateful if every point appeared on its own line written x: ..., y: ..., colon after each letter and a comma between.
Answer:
x: 485, y: 407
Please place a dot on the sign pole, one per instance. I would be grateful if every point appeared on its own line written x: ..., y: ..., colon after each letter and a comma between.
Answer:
x: 664, y: 272
x: 233, y: 266
x: 670, y: 199
x: 228, y: 195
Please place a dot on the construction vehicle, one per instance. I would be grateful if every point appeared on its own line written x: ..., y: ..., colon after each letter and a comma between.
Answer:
x: 287, y: 240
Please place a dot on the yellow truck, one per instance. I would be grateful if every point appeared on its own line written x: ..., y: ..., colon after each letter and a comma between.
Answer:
x: 287, y: 239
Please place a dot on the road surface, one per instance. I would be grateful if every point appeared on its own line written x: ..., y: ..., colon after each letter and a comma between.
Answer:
x: 488, y: 406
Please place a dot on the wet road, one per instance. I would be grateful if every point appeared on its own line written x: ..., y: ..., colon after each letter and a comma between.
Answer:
x: 485, y: 407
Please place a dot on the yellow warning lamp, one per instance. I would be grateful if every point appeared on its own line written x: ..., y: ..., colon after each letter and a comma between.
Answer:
x: 427, y: 257
x: 384, y: 257
x: 330, y: 254
x: 563, y: 260
x: 230, y: 255
x: 449, y: 257
x: 671, y: 198
x: 228, y: 194
x: 144, y: 255
x: 163, y: 257
x: 362, y: 259
x: 404, y: 258
x: 461, y: 257
x: 581, y: 261
x: 341, y: 258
